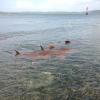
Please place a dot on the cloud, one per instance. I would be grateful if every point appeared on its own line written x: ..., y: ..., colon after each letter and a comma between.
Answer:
x: 58, y: 5
x: 72, y: 5
x: 49, y: 5
x: 24, y: 5
x: 29, y: 5
x: 5, y: 5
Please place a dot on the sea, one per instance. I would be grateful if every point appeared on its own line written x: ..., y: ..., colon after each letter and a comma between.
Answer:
x: 76, y: 77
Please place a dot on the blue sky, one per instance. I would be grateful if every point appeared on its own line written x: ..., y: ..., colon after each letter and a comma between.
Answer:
x: 48, y: 5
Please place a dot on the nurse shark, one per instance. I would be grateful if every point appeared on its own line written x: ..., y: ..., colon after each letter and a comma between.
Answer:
x: 44, y: 54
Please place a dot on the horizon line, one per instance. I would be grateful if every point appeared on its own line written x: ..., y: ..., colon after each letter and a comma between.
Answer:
x: 46, y: 11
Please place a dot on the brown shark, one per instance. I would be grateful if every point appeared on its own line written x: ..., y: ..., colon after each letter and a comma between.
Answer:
x: 44, y: 54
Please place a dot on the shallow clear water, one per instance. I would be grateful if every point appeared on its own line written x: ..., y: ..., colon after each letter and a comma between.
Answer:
x: 77, y: 77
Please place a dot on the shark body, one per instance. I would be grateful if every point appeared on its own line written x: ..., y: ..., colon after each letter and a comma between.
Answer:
x: 44, y: 54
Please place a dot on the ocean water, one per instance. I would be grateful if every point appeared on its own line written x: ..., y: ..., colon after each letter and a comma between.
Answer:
x: 77, y: 77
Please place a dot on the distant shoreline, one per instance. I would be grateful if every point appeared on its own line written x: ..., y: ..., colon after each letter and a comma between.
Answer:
x: 50, y: 12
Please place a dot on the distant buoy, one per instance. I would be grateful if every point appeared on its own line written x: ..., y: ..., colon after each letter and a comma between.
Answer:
x: 86, y: 11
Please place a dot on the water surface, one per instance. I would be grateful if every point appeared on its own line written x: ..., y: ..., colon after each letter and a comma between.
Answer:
x: 77, y: 77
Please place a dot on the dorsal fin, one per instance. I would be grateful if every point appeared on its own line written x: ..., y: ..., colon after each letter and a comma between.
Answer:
x: 17, y: 53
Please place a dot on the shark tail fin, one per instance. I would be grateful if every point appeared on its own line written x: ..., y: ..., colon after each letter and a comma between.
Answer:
x: 42, y: 48
x: 17, y: 53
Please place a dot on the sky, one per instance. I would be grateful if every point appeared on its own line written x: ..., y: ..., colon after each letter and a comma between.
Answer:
x: 48, y: 5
